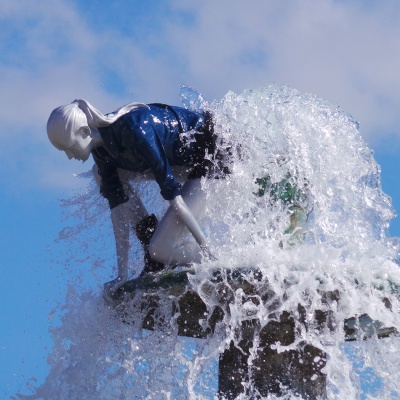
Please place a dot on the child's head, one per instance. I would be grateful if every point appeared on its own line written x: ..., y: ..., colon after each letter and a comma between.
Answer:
x: 68, y: 130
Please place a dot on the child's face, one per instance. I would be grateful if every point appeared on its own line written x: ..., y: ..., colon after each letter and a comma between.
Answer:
x: 78, y: 146
x: 68, y: 131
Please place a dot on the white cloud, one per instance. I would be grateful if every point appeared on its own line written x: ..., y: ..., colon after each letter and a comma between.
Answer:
x: 52, y: 52
x: 345, y: 52
x: 39, y: 66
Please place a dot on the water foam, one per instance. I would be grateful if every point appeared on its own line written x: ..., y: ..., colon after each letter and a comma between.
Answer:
x: 341, y: 248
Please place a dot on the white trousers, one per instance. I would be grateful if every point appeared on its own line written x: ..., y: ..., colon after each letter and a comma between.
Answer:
x: 164, y: 243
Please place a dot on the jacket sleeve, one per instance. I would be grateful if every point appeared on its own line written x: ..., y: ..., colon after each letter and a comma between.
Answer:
x: 110, y: 187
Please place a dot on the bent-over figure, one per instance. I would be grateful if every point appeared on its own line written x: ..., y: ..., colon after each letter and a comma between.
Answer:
x: 141, y: 138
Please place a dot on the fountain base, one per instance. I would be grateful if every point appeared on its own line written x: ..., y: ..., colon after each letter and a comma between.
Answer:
x: 252, y: 363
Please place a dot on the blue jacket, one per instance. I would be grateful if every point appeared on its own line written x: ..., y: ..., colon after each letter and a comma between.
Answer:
x: 144, y: 139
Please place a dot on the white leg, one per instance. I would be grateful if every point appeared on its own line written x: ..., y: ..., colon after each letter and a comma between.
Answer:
x: 163, y: 243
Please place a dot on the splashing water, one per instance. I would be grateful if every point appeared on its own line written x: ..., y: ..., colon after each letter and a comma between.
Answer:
x: 268, y: 136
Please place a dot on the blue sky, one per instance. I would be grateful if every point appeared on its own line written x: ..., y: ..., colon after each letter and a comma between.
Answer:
x: 114, y: 52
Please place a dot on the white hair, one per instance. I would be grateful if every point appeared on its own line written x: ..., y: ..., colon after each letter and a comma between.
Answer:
x: 67, y: 119
x: 97, y: 119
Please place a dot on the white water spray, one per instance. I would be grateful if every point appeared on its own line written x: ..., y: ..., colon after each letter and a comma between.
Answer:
x: 341, y: 248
